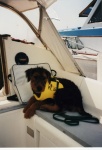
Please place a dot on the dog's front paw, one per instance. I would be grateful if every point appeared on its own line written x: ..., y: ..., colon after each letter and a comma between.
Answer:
x: 29, y: 104
x: 30, y: 112
x: 24, y: 110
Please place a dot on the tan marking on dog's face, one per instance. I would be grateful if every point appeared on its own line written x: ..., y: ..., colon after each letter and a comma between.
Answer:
x: 38, y: 82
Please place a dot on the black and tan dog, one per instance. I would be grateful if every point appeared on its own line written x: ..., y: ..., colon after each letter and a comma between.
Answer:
x: 52, y: 94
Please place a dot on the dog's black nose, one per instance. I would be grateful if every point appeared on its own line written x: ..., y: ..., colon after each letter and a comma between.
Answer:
x: 39, y: 89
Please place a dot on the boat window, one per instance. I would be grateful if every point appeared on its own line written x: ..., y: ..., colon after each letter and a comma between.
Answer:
x: 97, y: 17
x: 73, y: 43
x: 14, y: 25
x: 79, y: 43
x: 87, y: 10
x: 33, y: 16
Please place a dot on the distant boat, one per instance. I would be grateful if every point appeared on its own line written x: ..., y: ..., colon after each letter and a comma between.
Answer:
x: 86, y: 42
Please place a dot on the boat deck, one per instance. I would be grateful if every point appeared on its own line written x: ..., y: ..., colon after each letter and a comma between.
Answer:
x: 88, y: 66
x: 86, y: 134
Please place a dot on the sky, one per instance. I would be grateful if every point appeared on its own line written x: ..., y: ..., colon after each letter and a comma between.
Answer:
x: 65, y: 12
x: 68, y: 13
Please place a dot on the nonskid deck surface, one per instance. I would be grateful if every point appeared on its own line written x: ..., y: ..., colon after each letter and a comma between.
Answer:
x: 87, y: 134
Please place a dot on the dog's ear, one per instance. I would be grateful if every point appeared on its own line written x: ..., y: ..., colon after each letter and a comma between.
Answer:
x: 28, y: 74
x: 48, y: 75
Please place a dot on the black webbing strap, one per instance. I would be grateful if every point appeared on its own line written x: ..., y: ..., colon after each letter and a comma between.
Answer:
x: 57, y: 82
x: 74, y: 120
x: 13, y: 98
x: 57, y: 85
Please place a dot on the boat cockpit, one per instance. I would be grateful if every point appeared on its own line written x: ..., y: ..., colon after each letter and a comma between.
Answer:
x: 15, y: 57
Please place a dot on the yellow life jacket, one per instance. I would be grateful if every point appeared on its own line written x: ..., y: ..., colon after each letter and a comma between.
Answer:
x: 49, y: 91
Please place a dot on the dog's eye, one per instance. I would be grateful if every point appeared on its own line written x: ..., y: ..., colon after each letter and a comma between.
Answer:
x: 39, y: 77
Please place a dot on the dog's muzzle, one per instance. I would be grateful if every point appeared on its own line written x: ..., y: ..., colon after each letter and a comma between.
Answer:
x: 39, y: 89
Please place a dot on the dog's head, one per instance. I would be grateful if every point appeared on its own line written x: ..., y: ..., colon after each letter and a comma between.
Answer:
x: 38, y: 77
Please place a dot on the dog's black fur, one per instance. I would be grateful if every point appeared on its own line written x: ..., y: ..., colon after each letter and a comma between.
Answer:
x: 68, y: 98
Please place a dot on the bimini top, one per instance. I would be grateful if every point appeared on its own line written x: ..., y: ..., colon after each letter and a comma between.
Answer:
x: 46, y: 31
x: 24, y: 5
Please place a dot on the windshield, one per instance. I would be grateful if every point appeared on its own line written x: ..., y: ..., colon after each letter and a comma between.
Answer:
x: 17, y: 27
